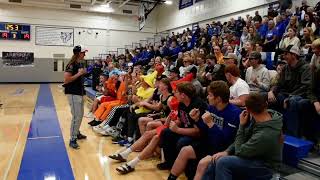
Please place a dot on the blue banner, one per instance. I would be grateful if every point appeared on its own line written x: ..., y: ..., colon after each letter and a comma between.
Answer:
x: 185, y: 3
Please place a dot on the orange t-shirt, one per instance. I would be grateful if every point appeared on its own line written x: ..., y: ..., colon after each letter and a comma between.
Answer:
x: 111, y: 87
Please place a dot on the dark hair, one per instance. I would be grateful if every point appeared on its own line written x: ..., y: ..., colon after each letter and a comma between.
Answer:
x: 210, y: 56
x: 220, y: 89
x: 166, y: 81
x: 256, y: 103
x: 233, y: 70
x: 201, y: 56
x: 187, y: 88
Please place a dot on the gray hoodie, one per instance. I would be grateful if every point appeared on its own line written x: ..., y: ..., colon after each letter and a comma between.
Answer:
x: 263, y: 77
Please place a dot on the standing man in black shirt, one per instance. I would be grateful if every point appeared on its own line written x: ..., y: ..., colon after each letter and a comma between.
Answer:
x: 74, y: 89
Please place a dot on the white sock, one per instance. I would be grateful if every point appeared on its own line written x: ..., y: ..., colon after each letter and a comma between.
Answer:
x: 130, y: 139
x: 105, y: 127
x: 134, y: 162
x: 126, y: 153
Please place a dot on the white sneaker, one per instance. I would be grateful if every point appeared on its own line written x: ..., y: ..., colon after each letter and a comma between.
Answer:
x: 89, y: 115
x: 108, y: 131
x: 97, y: 129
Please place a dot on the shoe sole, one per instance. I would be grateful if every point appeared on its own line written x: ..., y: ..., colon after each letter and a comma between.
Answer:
x: 74, y: 147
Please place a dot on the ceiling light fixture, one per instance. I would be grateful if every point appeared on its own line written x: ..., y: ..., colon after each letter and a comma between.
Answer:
x: 168, y: 2
x: 104, y: 8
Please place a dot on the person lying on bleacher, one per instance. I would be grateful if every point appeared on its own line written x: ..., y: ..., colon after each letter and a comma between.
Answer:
x: 291, y: 95
x: 218, y: 128
x: 257, y: 149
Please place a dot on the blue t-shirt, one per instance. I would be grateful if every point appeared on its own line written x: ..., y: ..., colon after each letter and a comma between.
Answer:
x: 263, y: 30
x: 271, y: 33
x: 224, y: 130
x: 281, y: 28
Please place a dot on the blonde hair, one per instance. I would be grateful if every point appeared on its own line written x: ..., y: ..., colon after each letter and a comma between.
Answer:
x: 316, y: 43
x: 310, y: 32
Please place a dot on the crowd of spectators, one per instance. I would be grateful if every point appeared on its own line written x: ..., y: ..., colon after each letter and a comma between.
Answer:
x: 213, y: 98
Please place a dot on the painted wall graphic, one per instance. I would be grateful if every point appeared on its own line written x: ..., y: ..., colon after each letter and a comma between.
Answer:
x: 185, y: 3
x: 54, y: 36
x: 18, y: 59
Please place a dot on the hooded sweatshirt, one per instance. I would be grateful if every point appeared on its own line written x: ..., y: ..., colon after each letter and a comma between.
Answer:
x: 260, y: 141
x: 295, y: 80
x: 263, y: 77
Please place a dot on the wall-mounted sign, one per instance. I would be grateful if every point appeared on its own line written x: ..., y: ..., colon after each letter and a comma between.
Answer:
x: 185, y: 3
x: 13, y: 31
x: 21, y: 59
x: 54, y: 36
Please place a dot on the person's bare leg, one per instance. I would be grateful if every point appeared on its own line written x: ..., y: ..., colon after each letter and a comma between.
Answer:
x: 142, y: 122
x: 153, y: 125
x: 202, y: 167
x: 143, y: 140
x: 149, y: 149
x: 180, y: 164
x: 94, y: 105
x: 146, y: 153
x: 138, y: 145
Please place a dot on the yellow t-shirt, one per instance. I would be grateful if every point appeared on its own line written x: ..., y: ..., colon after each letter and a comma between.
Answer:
x: 144, y: 94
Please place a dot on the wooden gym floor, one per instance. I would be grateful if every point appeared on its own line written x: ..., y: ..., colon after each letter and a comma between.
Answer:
x: 34, y: 137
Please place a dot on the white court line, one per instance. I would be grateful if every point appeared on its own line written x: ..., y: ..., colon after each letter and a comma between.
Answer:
x: 14, y: 151
x: 105, y: 162
x: 45, y: 137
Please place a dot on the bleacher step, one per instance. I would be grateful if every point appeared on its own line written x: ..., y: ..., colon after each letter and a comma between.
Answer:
x: 310, y: 166
x: 301, y: 176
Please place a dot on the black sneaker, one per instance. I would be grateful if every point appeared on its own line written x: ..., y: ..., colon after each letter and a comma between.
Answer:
x: 116, y: 139
x: 91, y: 122
x: 81, y: 136
x: 74, y: 144
x: 96, y: 123
x: 164, y: 166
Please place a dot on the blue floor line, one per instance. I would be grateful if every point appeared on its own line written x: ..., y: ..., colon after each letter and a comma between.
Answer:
x: 45, y: 155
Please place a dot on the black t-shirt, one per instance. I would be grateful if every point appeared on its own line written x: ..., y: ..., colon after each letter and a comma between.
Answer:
x: 185, y: 119
x: 75, y: 87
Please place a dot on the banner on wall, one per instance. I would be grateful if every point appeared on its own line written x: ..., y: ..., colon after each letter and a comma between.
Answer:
x: 18, y: 59
x: 141, y: 18
x: 54, y: 36
x: 185, y: 3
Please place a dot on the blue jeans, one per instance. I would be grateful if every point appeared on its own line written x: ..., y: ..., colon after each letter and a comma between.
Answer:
x: 299, y: 112
x: 233, y: 167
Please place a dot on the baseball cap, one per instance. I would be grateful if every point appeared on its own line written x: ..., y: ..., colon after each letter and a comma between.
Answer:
x: 78, y: 49
x: 230, y: 56
x: 292, y: 49
x: 174, y: 70
x: 191, y: 69
x: 105, y: 73
x: 255, y: 55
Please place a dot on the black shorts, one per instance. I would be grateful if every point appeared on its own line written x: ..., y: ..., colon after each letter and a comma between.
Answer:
x: 202, y: 149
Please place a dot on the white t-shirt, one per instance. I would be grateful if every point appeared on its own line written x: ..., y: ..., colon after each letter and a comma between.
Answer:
x: 239, y: 88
